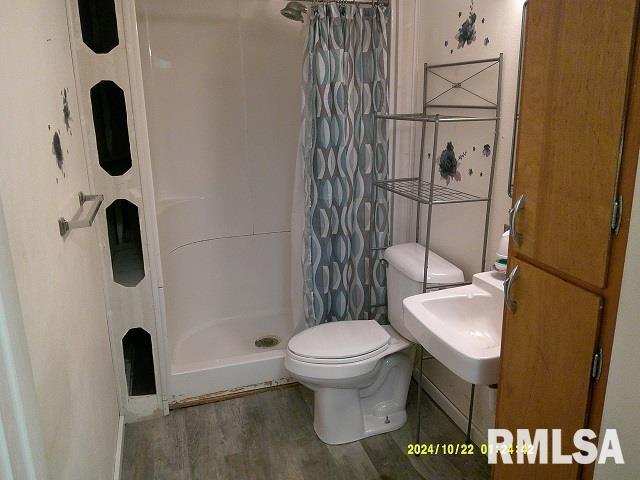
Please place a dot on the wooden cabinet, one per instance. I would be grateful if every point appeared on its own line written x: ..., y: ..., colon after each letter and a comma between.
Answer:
x: 548, y: 348
x: 574, y: 90
x: 580, y: 99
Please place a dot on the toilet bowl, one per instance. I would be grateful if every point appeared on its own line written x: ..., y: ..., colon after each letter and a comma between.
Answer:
x: 359, y: 370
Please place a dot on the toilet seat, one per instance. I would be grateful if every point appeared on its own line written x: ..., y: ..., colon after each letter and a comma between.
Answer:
x: 339, y: 342
x: 339, y: 360
x: 345, y: 368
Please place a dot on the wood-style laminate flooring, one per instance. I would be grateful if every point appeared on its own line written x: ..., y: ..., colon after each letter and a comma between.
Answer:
x: 269, y: 436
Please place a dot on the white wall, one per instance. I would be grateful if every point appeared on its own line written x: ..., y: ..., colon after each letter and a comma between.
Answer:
x: 623, y: 395
x: 22, y: 451
x: 457, y: 230
x: 59, y: 280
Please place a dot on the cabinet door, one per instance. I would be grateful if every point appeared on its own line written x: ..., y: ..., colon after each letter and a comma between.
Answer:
x: 545, y: 369
x: 574, y: 87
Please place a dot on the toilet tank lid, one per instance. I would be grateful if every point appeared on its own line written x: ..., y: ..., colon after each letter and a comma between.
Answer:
x: 408, y: 258
x: 344, y: 339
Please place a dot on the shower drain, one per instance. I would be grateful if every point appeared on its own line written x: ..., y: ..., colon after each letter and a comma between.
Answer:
x: 267, y: 341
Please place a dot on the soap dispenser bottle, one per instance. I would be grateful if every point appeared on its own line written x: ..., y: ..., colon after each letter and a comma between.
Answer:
x: 502, y: 253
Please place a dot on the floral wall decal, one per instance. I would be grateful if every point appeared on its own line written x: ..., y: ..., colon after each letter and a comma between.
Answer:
x: 486, y: 151
x: 467, y: 31
x: 66, y: 111
x: 56, y: 149
x: 449, y: 164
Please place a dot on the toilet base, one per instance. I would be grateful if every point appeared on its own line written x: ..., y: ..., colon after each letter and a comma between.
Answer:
x: 344, y: 415
x: 372, y: 426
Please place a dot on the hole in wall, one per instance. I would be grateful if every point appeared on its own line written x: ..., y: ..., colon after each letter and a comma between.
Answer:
x: 98, y: 24
x: 125, y: 243
x: 138, y: 362
x: 110, y: 124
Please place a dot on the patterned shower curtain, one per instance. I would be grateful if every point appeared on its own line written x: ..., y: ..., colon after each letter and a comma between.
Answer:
x: 345, y: 83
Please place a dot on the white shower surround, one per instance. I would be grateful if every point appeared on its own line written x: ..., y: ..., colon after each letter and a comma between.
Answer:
x: 222, y: 90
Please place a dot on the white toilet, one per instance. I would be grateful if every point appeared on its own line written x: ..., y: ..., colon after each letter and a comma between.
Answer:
x: 359, y: 370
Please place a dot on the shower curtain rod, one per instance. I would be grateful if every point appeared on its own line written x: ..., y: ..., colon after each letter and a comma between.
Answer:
x: 365, y: 2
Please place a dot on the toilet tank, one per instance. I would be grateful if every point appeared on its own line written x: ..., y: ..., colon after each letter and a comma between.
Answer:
x: 405, y: 273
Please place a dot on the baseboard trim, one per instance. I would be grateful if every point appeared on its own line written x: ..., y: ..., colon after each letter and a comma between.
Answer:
x: 459, y: 418
x: 117, y: 462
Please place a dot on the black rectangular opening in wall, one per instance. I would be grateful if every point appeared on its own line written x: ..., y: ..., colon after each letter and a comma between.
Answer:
x: 99, y: 24
x: 125, y: 243
x: 109, y: 110
x: 138, y: 362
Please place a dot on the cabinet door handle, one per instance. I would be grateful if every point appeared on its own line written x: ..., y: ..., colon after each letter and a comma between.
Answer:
x: 508, y: 283
x: 513, y: 218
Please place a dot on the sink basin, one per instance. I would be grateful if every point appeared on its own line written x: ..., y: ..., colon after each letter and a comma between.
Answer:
x: 462, y: 326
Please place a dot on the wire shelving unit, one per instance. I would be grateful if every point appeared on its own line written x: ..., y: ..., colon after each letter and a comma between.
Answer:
x: 425, y: 191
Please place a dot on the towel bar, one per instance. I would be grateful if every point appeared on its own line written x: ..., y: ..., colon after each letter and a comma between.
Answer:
x: 67, y: 225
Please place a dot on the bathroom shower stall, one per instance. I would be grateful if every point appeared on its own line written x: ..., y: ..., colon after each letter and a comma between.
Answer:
x: 223, y: 98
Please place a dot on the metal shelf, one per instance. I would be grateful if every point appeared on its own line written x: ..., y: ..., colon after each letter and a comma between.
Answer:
x: 420, y: 190
x: 424, y: 118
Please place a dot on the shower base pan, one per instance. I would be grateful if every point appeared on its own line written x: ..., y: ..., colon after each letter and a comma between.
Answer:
x: 229, y: 356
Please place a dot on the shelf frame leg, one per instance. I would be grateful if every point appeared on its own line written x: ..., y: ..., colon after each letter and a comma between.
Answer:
x: 470, y: 419
x: 419, y: 401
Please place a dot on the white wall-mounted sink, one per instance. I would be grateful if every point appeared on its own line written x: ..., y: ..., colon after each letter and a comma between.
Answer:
x: 462, y: 326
